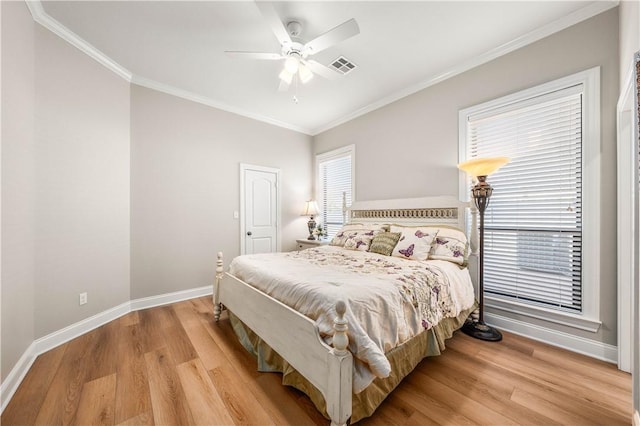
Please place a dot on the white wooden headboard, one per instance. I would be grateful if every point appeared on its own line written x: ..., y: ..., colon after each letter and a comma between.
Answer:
x: 425, y: 210
x: 421, y: 211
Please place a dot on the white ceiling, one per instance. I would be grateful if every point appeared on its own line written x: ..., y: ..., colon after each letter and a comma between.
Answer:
x: 178, y: 47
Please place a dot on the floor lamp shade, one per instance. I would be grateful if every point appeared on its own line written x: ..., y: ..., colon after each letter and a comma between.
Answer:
x: 310, y: 209
x: 480, y: 168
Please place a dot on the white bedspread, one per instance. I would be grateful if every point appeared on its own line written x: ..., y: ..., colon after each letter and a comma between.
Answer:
x: 389, y: 300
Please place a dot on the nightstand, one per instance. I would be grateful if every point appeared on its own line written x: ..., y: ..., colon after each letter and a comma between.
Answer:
x: 305, y: 244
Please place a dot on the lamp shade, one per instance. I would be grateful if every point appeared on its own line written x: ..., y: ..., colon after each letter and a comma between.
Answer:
x: 291, y: 64
x: 483, y: 166
x: 304, y: 73
x: 286, y: 76
x: 310, y: 208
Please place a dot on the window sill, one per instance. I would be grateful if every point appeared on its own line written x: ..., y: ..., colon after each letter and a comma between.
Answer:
x: 562, y: 318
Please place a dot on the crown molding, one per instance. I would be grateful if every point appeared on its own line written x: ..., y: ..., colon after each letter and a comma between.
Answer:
x: 184, y: 94
x: 517, y: 43
x: 44, y: 19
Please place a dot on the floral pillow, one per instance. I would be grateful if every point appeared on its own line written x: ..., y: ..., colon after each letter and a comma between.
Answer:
x: 343, y: 234
x: 414, y: 243
x: 360, y: 239
x: 450, y: 244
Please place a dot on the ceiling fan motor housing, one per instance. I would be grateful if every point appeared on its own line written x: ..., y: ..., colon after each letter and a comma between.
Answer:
x: 294, y: 28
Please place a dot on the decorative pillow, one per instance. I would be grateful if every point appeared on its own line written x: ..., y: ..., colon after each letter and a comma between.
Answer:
x: 360, y: 239
x: 450, y: 244
x: 384, y: 243
x: 343, y: 234
x: 414, y: 243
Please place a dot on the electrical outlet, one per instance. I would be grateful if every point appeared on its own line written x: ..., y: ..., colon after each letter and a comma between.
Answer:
x: 83, y: 298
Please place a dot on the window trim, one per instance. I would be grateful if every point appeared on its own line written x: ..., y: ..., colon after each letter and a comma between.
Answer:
x: 589, y: 318
x: 329, y: 155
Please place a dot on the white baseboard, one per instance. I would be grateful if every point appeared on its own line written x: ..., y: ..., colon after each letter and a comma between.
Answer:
x: 636, y: 419
x: 79, y: 328
x: 563, y: 340
x: 165, y: 299
x: 57, y: 338
x: 16, y: 375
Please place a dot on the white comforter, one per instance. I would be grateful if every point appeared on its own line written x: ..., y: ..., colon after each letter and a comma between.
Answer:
x: 389, y: 300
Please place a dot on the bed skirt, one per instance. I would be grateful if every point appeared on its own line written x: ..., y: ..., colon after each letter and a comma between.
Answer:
x: 403, y: 360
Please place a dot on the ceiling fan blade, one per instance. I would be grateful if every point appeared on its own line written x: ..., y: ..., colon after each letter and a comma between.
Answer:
x: 342, y: 32
x: 283, y: 87
x: 274, y: 21
x: 253, y: 55
x: 322, y: 70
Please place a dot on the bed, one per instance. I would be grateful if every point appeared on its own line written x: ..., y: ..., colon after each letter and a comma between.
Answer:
x: 302, y: 327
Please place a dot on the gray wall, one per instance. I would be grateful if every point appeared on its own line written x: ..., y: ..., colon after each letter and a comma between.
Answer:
x: 415, y: 140
x: 82, y: 185
x: 18, y: 183
x: 185, y: 175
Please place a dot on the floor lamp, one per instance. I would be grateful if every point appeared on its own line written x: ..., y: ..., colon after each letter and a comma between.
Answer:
x: 480, y: 168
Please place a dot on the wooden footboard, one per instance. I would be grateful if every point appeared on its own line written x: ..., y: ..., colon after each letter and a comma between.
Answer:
x: 294, y: 337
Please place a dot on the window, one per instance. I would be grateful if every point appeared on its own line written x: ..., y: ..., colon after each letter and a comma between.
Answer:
x: 544, y: 208
x: 335, y: 171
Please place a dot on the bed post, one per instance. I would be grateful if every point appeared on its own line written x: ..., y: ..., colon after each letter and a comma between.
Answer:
x: 216, y: 287
x: 338, y: 397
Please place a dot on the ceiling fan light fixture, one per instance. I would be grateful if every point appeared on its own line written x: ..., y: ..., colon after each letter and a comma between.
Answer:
x: 286, y: 76
x: 291, y: 64
x: 305, y: 74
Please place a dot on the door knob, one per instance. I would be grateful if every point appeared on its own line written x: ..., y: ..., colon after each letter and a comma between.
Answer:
x: 249, y: 233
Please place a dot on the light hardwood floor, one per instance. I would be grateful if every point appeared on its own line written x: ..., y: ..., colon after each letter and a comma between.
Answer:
x: 172, y: 365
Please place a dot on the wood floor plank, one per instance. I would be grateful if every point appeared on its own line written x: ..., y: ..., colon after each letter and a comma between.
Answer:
x: 240, y: 404
x: 279, y: 401
x: 179, y: 344
x: 555, y: 378
x: 151, y: 334
x: 431, y: 408
x: 552, y: 411
x: 465, y: 404
x: 206, y: 348
x: 103, y: 357
x: 493, y: 389
x: 206, y: 404
x: 133, y: 396
x: 33, y: 389
x: 579, y: 364
x: 129, y: 319
x: 144, y: 419
x: 241, y: 361
x: 97, y: 401
x: 170, y: 362
x: 419, y: 419
x: 168, y: 399
x: 61, y: 403
x: 394, y: 411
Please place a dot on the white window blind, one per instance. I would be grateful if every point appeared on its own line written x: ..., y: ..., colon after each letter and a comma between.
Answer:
x: 335, y: 183
x: 533, y: 225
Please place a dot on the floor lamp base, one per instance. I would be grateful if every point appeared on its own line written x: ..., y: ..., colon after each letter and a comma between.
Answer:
x: 480, y: 330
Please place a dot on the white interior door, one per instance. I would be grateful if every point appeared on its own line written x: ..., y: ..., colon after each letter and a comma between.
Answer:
x: 260, y: 209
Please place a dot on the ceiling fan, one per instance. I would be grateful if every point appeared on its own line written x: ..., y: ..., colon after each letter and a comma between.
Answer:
x: 296, y: 53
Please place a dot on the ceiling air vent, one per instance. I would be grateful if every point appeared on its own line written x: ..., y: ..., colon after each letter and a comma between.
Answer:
x: 343, y: 65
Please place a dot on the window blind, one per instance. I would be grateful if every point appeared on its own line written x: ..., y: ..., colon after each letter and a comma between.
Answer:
x: 335, y: 184
x: 533, y: 224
